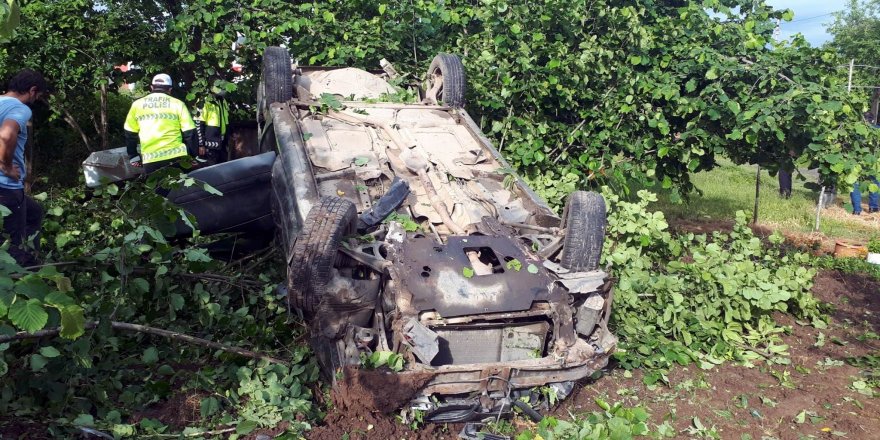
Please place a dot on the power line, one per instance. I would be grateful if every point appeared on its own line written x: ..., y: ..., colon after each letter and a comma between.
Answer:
x: 813, y: 17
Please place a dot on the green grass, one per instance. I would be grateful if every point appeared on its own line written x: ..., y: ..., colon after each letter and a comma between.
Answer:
x: 730, y: 188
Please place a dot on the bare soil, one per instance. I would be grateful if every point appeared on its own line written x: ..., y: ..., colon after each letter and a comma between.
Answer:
x: 364, y: 403
x: 179, y: 411
x: 764, y: 401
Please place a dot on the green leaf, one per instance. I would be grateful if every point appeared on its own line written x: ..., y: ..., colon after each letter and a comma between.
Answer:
x: 5, y: 301
x: 331, y: 101
x: 712, y: 74
x: 467, y: 272
x: 177, y: 302
x: 218, y: 37
x: 200, y: 255
x: 123, y: 430
x: 532, y: 268
x: 28, y: 315
x: 514, y: 264
x: 58, y: 299
x: 33, y: 287
x: 84, y: 420
x: 4, y: 368
x: 211, y: 190
x: 150, y: 356
x: 50, y: 352
x: 733, y: 106
x: 141, y: 285
x: 361, y: 161
x: 382, y: 9
x: 72, y: 322
x: 209, y: 406
x: 677, y: 299
x: 245, y: 427
x: 38, y: 362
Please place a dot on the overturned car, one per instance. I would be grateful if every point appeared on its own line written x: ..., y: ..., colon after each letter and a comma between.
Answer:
x: 405, y: 231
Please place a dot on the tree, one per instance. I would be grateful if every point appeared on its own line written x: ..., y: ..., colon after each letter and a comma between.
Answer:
x: 76, y: 44
x: 9, y: 17
x: 575, y: 94
x: 855, y: 31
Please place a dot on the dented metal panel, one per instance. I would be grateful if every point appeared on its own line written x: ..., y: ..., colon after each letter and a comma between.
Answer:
x: 436, y: 276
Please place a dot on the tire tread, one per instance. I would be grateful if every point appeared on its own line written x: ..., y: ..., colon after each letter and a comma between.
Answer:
x: 584, y: 222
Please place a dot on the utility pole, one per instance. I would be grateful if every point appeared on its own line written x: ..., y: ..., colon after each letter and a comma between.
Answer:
x: 852, y: 64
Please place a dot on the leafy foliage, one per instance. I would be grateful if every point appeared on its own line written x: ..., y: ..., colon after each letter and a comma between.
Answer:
x: 854, y: 30
x: 848, y: 265
x: 613, y: 422
x: 118, y: 265
x: 574, y: 96
x: 697, y: 298
x: 377, y: 359
x: 9, y: 18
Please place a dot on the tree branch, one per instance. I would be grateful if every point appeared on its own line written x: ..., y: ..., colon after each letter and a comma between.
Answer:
x: 152, y: 331
x: 779, y: 74
x: 76, y: 127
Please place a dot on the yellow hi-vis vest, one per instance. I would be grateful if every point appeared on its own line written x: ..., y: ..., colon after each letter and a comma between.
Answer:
x: 159, y: 119
x: 215, y: 114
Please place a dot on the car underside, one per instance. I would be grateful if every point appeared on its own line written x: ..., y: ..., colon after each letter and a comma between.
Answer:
x: 406, y: 232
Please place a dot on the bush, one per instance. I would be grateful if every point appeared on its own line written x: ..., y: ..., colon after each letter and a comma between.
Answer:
x: 698, y: 298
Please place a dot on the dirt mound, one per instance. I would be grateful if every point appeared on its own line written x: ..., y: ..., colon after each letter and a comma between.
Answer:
x: 371, y: 391
x: 364, y: 402
x: 179, y: 411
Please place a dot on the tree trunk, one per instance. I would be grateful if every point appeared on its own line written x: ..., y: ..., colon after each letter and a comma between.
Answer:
x: 105, y: 135
x: 71, y: 121
x: 757, y: 195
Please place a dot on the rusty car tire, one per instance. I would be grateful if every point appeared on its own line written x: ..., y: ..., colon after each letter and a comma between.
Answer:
x: 316, y: 251
x: 454, y: 80
x: 276, y: 79
x: 584, y: 222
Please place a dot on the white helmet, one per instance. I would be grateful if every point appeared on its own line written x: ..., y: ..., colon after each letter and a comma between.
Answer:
x: 162, y: 80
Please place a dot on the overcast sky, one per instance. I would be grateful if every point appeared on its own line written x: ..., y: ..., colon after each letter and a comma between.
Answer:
x: 810, y: 18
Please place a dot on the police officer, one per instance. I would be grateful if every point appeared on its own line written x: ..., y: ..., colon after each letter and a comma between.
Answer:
x: 211, y: 122
x: 163, y: 126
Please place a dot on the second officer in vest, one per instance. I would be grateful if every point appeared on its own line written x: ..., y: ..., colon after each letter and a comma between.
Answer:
x: 211, y: 121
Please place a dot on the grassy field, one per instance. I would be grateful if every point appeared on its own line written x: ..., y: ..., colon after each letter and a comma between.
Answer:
x: 730, y: 188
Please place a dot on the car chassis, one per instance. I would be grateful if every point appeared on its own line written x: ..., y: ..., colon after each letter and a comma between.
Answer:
x: 406, y: 231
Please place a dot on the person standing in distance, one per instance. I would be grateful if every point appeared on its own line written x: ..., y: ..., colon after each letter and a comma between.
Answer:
x: 26, y: 216
x: 163, y: 126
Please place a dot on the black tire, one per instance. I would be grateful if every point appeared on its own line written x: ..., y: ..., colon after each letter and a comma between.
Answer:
x: 276, y: 79
x: 315, y: 252
x: 584, y: 221
x: 449, y: 70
